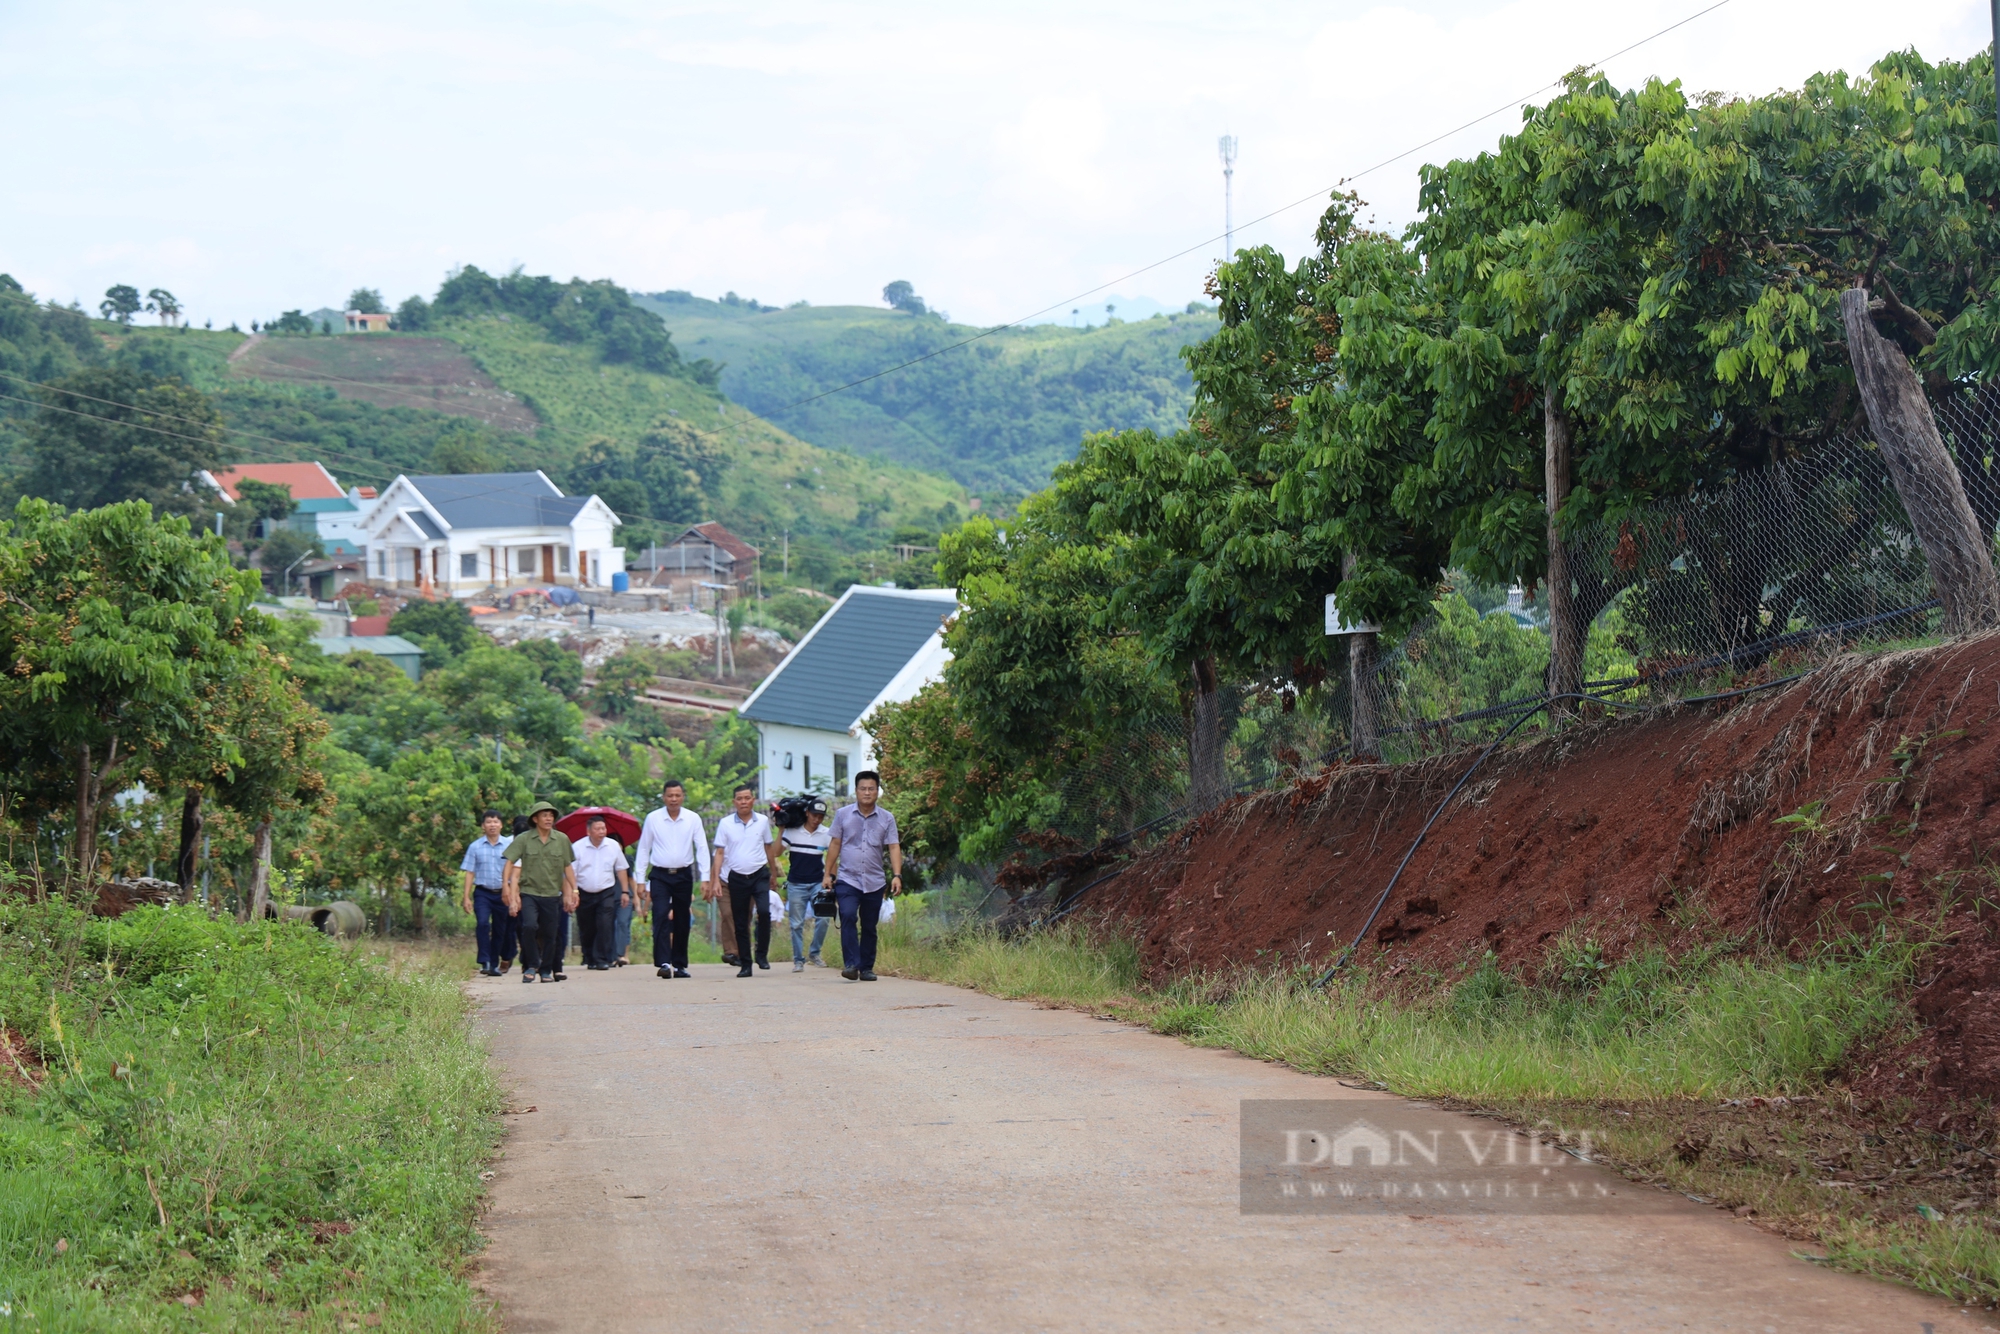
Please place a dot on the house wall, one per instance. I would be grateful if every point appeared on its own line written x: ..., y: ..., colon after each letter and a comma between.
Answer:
x: 808, y: 745
x: 586, y: 553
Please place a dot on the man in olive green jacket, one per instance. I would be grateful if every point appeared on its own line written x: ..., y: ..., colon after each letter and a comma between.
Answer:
x: 540, y: 888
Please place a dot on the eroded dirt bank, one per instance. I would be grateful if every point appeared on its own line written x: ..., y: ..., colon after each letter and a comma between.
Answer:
x: 1662, y: 828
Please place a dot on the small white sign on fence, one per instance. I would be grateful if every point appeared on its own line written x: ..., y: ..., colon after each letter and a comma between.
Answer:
x: 1337, y: 624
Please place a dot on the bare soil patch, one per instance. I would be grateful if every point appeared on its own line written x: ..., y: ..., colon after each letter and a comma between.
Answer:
x: 390, y: 371
x: 1663, y: 829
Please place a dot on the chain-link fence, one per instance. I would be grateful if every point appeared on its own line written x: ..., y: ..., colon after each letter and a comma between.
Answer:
x: 1779, y: 570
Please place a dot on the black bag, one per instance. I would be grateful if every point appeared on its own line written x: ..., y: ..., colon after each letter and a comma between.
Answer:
x: 823, y: 904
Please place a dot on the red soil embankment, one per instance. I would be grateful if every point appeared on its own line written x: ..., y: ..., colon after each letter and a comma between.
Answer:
x: 1631, y: 830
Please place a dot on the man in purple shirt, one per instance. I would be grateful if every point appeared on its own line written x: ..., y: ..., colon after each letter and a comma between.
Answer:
x: 862, y: 834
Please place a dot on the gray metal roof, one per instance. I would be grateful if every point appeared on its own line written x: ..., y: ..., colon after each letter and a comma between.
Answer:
x: 847, y: 659
x: 499, y: 500
x: 424, y: 522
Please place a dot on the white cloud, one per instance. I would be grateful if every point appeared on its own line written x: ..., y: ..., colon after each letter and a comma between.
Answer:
x: 254, y: 158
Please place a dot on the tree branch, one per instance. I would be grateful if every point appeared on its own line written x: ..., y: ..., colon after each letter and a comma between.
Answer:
x: 1892, y: 305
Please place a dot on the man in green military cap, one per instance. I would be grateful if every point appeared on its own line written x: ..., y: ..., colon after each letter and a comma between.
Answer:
x: 540, y: 888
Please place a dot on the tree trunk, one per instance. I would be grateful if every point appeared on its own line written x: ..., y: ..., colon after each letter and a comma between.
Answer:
x: 1565, y: 633
x: 1959, y: 552
x: 260, y: 872
x: 1365, y: 723
x: 191, y: 825
x: 89, y: 785
x: 416, y: 908
x: 1205, y: 738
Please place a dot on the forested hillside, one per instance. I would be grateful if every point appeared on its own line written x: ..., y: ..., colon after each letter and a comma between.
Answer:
x: 997, y: 415
x: 506, y: 373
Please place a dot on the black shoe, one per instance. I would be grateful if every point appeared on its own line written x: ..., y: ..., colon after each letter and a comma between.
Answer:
x: 680, y: 972
x: 764, y: 964
x: 745, y: 971
x: 560, y: 976
x: 663, y: 971
x: 597, y: 967
x: 851, y: 974
x: 867, y: 976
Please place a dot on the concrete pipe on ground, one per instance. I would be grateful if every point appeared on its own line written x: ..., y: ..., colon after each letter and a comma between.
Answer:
x: 340, y: 919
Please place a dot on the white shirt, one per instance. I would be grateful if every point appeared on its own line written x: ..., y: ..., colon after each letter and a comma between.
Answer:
x: 671, y: 844
x: 597, y: 866
x: 742, y: 843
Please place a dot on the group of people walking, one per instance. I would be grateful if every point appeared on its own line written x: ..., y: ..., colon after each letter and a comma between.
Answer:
x: 523, y: 890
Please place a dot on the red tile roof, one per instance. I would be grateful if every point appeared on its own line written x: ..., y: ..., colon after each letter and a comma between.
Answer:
x: 728, y: 541
x: 368, y: 626
x: 308, y: 481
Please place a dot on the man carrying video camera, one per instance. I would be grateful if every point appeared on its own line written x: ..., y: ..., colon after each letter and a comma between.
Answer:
x: 801, y: 823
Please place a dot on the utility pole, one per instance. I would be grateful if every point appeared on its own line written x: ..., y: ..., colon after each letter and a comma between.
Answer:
x: 788, y: 532
x: 1996, y: 59
x: 1225, y: 148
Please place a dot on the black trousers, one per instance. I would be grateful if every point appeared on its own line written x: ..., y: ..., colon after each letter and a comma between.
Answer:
x: 748, y: 894
x: 541, y: 928
x: 673, y: 900
x: 597, y: 925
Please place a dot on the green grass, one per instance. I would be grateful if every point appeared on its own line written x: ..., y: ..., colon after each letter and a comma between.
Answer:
x: 1705, y: 1025
x: 287, y: 1131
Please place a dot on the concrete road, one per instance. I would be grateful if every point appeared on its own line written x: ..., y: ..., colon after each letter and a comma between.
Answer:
x: 800, y: 1153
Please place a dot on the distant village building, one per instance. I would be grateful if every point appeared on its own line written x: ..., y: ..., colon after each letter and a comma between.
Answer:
x: 359, y: 321
x: 321, y: 510
x: 476, y: 533
x: 703, y: 553
x: 393, y: 647
x: 876, y: 646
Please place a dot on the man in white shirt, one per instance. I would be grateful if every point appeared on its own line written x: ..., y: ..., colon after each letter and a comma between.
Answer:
x: 672, y: 847
x: 746, y: 855
x: 600, y: 881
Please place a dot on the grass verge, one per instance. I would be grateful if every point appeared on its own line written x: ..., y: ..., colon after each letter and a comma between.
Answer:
x: 220, y: 1126
x: 1708, y: 1073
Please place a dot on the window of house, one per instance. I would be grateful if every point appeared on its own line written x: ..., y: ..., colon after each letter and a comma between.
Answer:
x: 839, y: 774
x: 562, y: 560
x: 807, y: 786
x: 525, y: 560
x: 382, y: 563
x: 788, y: 761
x: 468, y: 565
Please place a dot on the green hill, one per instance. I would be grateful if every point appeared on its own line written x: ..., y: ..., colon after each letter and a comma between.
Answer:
x: 627, y: 419
x: 996, y: 415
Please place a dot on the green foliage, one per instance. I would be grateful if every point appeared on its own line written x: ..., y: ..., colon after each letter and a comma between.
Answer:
x: 413, y: 316
x: 100, y: 439
x: 459, y: 452
x: 366, y: 300
x: 599, y: 313
x: 793, y: 612
x: 561, y: 669
x: 250, y: 1112
x: 622, y: 681
x: 444, y: 626
x: 900, y: 295
x: 114, y: 623
x: 997, y: 415
x: 265, y: 502
x: 121, y: 302
x: 291, y: 324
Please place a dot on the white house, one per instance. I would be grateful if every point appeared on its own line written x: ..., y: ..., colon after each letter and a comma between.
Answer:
x: 489, y: 532
x: 876, y: 646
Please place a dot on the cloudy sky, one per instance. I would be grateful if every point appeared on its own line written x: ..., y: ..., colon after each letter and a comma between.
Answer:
x: 1004, y: 158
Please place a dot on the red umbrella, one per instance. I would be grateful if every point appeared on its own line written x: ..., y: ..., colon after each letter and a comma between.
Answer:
x: 617, y: 824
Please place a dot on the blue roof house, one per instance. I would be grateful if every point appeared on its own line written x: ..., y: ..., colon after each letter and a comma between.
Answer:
x: 876, y: 646
x: 485, y: 533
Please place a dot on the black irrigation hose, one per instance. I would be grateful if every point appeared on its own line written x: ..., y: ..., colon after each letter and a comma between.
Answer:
x: 1376, y: 911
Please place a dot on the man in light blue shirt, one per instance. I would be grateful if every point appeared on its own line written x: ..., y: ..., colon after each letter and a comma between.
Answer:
x: 863, y: 835
x: 485, y: 868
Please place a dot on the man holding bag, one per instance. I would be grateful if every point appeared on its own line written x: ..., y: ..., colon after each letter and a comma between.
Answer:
x: 862, y: 835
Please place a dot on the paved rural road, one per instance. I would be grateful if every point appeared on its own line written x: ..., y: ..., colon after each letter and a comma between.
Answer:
x: 801, y: 1153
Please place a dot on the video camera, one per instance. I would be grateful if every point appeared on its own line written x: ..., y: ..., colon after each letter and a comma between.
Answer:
x: 791, y: 812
